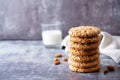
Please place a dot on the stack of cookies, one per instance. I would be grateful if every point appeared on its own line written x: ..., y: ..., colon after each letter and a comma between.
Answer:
x: 83, y: 49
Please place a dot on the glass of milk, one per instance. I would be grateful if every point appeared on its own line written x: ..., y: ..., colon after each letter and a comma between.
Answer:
x: 51, y: 34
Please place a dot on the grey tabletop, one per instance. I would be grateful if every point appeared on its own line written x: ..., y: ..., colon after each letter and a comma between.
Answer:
x: 30, y: 60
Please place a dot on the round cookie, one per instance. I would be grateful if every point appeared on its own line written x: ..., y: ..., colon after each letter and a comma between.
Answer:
x: 84, y: 58
x: 92, y: 69
x: 78, y: 52
x: 83, y: 46
x: 84, y: 31
x: 83, y: 64
x: 84, y: 40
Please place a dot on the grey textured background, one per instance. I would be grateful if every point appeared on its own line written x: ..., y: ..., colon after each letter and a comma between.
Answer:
x: 21, y: 19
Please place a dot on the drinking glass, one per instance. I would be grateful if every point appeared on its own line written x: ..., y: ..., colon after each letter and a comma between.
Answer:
x: 51, y: 34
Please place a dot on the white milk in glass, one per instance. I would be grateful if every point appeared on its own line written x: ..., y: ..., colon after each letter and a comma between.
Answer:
x: 51, y: 37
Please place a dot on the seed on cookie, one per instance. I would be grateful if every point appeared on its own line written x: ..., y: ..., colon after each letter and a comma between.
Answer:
x: 64, y: 59
x: 55, y: 59
x: 58, y: 55
x: 57, y: 62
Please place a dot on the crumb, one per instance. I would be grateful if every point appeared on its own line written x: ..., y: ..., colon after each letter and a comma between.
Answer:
x: 106, y: 70
x: 55, y: 59
x: 111, y: 68
x: 64, y: 59
x: 58, y: 55
x: 57, y: 62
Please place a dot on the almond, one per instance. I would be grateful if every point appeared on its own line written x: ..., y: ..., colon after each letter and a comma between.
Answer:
x: 58, y: 55
x: 55, y: 59
x: 106, y: 70
x: 57, y: 62
x: 111, y: 68
x: 64, y: 59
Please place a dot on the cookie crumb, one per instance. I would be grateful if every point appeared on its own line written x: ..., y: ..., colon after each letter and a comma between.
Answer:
x: 57, y: 62
x: 58, y: 55
x: 64, y: 59
x: 106, y: 70
x: 111, y: 68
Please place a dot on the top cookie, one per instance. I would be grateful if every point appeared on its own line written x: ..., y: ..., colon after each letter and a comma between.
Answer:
x: 84, y: 31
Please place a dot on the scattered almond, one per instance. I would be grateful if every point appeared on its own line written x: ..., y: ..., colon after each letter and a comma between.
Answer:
x: 55, y: 59
x: 64, y: 59
x: 57, y: 62
x: 58, y: 55
x: 111, y: 68
x: 106, y: 70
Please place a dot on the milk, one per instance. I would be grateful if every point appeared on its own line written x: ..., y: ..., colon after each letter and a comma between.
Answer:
x: 51, y: 37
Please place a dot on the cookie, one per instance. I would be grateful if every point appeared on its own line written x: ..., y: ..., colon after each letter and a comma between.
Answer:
x: 84, y: 31
x: 83, y: 46
x: 84, y: 40
x: 84, y: 58
x: 83, y: 64
x: 92, y: 69
x: 78, y: 52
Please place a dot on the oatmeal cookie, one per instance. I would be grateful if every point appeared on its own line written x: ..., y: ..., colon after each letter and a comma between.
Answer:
x: 83, y: 46
x: 84, y: 31
x: 78, y: 52
x: 84, y: 58
x: 91, y: 69
x: 84, y: 40
x: 83, y: 64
